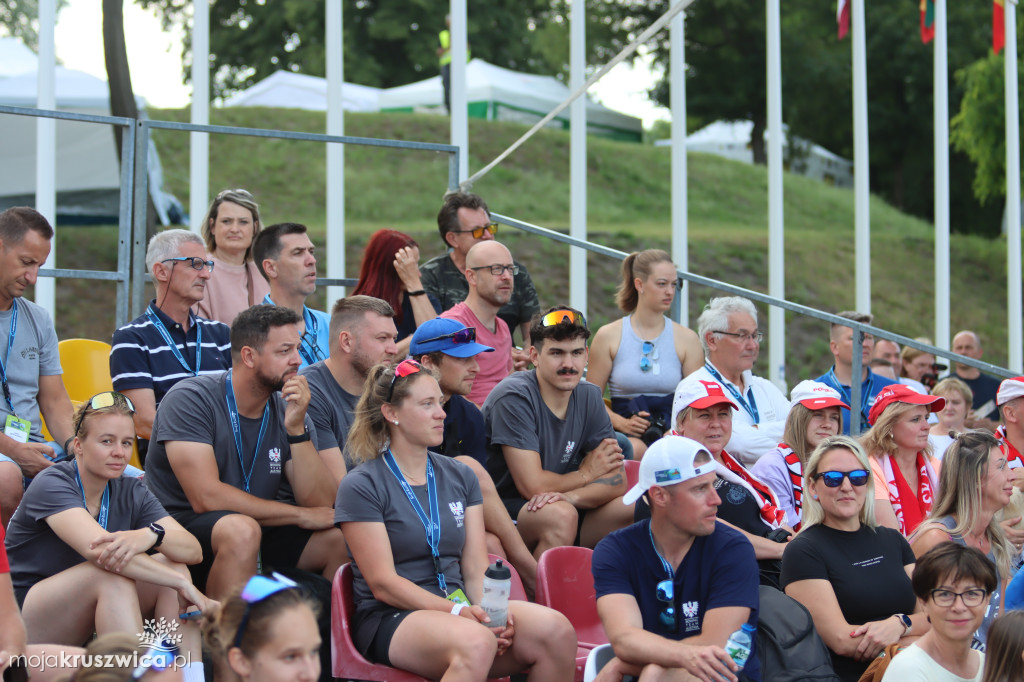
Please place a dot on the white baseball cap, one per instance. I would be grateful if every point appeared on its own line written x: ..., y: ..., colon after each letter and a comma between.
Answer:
x: 1010, y: 389
x: 815, y: 395
x: 700, y: 394
x: 668, y: 461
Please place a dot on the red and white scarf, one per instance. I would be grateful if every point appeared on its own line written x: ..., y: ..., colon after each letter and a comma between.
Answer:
x: 927, y: 483
x: 772, y: 514
x: 1014, y: 459
x: 795, y: 469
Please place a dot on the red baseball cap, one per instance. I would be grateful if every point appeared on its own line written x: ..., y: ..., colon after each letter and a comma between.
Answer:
x: 899, y: 393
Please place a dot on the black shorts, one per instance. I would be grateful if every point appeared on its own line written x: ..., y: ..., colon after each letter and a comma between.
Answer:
x: 374, y: 630
x: 513, y: 505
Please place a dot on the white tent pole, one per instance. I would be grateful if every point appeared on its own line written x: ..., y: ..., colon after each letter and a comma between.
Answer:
x: 776, y: 243
x: 677, y: 82
x: 861, y: 180
x: 335, y: 69
x: 578, y: 156
x: 459, y: 103
x: 199, y: 143
x: 941, y: 104
x: 1013, y: 272
x: 46, y: 145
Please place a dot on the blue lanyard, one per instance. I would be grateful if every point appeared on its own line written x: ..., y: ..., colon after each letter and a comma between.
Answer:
x: 664, y: 564
x: 10, y: 347
x: 314, y: 354
x: 751, y: 407
x: 104, y: 501
x: 158, y: 323
x: 866, y: 394
x: 237, y: 430
x: 431, y: 524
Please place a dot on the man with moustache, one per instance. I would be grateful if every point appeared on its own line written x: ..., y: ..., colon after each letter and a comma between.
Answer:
x: 490, y: 272
x: 552, y: 451
x: 671, y: 589
x: 286, y: 257
x: 224, y: 446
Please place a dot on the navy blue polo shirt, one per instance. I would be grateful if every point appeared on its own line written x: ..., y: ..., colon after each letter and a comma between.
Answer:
x: 464, y: 430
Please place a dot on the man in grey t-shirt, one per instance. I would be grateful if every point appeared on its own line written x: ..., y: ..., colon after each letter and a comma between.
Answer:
x: 223, y: 447
x: 31, y: 372
x: 362, y: 335
x: 552, y: 449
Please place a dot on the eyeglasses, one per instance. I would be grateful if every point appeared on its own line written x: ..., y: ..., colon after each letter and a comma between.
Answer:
x: 194, y: 262
x: 498, y: 268
x: 557, y: 317
x: 309, y: 339
x: 467, y: 335
x: 105, y: 399
x: 834, y: 479
x: 649, y: 358
x: 403, y: 369
x: 158, y: 657
x: 256, y: 590
x: 757, y: 337
x: 666, y: 594
x: 479, y: 231
x: 972, y: 597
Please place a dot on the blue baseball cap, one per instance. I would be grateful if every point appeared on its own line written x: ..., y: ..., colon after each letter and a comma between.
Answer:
x: 450, y: 337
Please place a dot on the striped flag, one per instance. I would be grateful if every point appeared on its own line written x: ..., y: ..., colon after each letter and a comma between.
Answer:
x: 998, y: 26
x: 927, y: 20
x: 843, y: 17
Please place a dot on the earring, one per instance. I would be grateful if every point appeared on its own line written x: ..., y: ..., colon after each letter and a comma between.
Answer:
x: 396, y: 422
x: 814, y: 497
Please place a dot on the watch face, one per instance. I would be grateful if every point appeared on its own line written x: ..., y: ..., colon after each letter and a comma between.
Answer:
x: 157, y: 528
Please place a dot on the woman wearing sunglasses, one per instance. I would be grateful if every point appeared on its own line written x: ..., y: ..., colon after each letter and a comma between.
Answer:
x: 414, y: 525
x: 92, y: 550
x: 974, y: 485
x: 852, y: 575
x: 906, y: 474
x: 390, y: 271
x: 268, y: 633
x: 952, y: 584
x: 644, y: 355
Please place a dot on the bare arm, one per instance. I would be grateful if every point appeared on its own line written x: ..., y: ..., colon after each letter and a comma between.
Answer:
x: 688, y: 348
x: 55, y: 407
x: 928, y: 539
x: 334, y: 461
x: 144, y: 400
x: 599, y: 370
x: 763, y: 547
x: 12, y: 628
x: 310, y: 479
x: 532, y: 479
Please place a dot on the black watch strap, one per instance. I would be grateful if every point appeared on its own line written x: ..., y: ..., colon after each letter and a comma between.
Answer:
x: 159, y: 530
x: 294, y: 440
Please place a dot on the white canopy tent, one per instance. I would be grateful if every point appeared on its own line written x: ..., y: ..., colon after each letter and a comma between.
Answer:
x: 285, y: 89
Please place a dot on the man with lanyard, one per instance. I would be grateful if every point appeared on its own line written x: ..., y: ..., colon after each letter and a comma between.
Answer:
x: 168, y: 342
x: 285, y: 256
x: 30, y: 372
x: 728, y: 331
x: 839, y: 377
x: 672, y: 589
x: 226, y: 448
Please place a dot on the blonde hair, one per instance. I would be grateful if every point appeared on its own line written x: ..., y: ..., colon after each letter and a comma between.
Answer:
x: 370, y: 432
x: 953, y: 385
x: 813, y: 513
x: 637, y: 265
x: 795, y: 434
x: 120, y: 646
x: 878, y: 440
x: 909, y: 354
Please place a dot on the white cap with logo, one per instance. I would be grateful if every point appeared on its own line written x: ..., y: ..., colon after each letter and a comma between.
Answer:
x: 667, y: 462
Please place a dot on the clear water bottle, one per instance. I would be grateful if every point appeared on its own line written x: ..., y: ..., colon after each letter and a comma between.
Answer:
x: 739, y: 644
x: 497, y: 586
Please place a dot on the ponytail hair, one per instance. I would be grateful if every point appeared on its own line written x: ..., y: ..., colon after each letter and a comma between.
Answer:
x: 369, y: 434
x: 637, y: 264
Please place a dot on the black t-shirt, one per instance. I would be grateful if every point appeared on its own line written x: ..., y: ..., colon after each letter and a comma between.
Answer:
x: 739, y: 508
x: 464, y: 430
x: 866, y: 569
x: 984, y: 389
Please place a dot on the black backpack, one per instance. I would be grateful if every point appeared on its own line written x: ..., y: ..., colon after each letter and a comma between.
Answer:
x: 789, y: 646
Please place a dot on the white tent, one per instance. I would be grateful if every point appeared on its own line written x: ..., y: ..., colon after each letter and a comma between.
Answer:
x: 298, y: 91
x: 88, y: 170
x: 499, y: 94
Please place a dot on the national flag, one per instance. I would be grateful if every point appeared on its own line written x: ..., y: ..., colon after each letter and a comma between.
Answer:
x: 927, y: 20
x: 843, y: 17
x: 998, y: 26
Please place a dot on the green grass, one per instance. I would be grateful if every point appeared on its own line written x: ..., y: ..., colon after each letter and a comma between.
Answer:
x: 629, y: 208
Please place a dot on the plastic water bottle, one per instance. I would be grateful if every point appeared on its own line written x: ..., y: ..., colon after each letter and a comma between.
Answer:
x: 738, y: 646
x: 497, y: 587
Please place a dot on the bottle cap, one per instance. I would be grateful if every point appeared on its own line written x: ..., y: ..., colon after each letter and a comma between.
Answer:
x: 748, y: 628
x: 498, y: 571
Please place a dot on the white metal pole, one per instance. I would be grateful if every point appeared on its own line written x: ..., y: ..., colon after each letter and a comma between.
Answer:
x: 199, y: 143
x: 578, y: 156
x: 776, y: 238
x: 46, y: 145
x: 335, y: 69
x: 1013, y: 272
x: 459, y: 102
x: 941, y: 87
x: 677, y: 83
x: 861, y: 179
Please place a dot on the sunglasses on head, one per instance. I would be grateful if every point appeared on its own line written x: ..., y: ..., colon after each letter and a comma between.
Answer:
x: 556, y: 317
x: 256, y: 590
x: 105, y: 399
x: 834, y: 479
x: 158, y: 657
x: 403, y: 369
x: 666, y: 594
x: 467, y: 335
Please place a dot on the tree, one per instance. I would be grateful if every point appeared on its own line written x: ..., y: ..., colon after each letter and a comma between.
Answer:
x: 20, y: 18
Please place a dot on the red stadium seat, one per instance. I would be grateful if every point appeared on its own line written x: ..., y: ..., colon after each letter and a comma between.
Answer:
x: 632, y: 472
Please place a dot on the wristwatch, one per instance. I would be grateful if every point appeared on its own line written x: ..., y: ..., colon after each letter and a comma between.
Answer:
x: 159, y: 530
x: 907, y: 623
x: 302, y: 438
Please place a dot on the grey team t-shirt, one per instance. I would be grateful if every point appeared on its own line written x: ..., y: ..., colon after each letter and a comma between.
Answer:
x: 36, y: 552
x: 515, y: 415
x: 371, y: 493
x: 195, y: 410
x: 34, y: 354
x: 331, y: 408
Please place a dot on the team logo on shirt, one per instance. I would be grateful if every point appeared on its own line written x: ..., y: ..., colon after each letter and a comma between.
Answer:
x: 275, y: 460
x: 30, y: 353
x: 569, y: 447
x: 457, y: 512
x: 690, y: 609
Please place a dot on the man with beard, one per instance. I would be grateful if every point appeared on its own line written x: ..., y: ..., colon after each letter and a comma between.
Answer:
x: 490, y: 273
x: 552, y: 450
x: 224, y: 446
x: 285, y: 256
x: 362, y: 335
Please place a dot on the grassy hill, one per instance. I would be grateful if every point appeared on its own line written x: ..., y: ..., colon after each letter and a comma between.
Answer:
x: 628, y: 208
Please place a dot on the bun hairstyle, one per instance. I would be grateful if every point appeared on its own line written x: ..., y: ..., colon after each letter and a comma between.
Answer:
x: 220, y: 624
x: 637, y: 265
